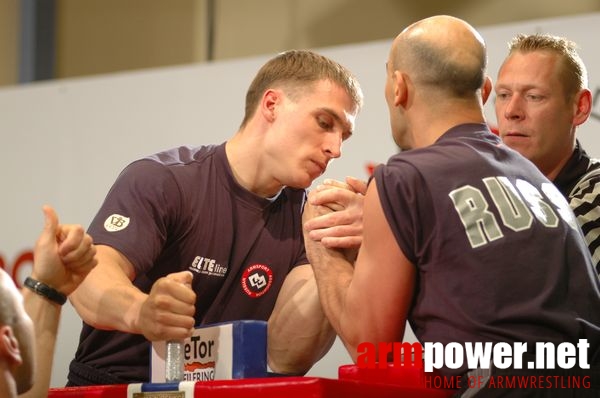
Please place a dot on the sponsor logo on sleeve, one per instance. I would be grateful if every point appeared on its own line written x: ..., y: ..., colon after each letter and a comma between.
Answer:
x: 116, y: 222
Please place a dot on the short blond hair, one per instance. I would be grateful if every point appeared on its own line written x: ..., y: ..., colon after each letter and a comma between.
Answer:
x: 574, y: 73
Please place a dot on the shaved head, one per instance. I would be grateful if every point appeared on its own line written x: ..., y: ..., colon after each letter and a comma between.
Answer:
x: 443, y: 52
x: 13, y: 315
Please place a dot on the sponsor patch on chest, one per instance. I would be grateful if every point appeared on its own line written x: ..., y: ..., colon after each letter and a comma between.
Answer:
x: 257, y: 280
x: 207, y: 266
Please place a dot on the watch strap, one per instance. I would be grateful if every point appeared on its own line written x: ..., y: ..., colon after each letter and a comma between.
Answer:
x: 45, y: 291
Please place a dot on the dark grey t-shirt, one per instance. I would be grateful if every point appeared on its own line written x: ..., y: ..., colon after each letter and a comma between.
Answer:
x: 183, y: 210
x: 498, y: 253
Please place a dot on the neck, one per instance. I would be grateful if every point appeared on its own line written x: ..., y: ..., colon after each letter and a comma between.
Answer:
x: 245, y: 157
x: 555, y: 165
x: 8, y: 388
x: 552, y: 172
x: 431, y: 127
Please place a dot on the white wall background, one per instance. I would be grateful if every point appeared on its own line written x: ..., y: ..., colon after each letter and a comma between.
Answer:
x: 64, y: 142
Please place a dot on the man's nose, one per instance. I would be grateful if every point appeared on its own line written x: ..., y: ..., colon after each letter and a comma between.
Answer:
x: 333, y: 145
x: 514, y: 108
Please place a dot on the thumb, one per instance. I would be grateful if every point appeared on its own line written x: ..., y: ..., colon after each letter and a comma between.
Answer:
x: 50, y: 222
x: 359, y: 186
x: 183, y: 277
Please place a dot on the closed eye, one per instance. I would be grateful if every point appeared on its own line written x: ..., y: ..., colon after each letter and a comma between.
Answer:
x: 324, y: 124
x: 534, y: 97
x: 329, y: 120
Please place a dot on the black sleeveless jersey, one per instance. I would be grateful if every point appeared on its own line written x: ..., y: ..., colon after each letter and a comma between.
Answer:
x: 499, y: 255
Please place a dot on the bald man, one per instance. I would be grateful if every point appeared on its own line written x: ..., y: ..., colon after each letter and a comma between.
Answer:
x: 463, y: 237
x: 16, y: 340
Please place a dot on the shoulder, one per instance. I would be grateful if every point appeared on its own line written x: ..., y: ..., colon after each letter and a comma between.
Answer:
x: 589, y: 182
x: 594, y: 165
x: 414, y: 163
x: 401, y: 178
x: 163, y: 173
x: 183, y: 155
x: 171, y: 161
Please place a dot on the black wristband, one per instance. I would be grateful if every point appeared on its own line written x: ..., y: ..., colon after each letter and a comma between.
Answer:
x: 45, y: 291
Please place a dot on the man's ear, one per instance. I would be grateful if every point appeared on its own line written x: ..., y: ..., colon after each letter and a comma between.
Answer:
x: 486, y: 89
x: 268, y: 104
x: 400, y: 82
x: 583, y: 103
x: 9, y: 346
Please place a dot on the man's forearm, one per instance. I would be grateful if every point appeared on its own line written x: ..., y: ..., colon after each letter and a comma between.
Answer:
x: 299, y: 334
x: 46, y: 319
x: 333, y: 275
x: 109, y: 308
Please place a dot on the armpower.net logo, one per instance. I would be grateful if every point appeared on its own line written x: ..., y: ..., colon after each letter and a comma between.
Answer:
x: 549, y: 357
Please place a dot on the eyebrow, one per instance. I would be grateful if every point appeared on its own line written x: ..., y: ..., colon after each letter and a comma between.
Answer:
x: 525, y: 86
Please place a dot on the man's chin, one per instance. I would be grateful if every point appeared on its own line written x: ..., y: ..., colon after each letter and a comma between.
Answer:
x: 519, y: 144
x: 302, y: 184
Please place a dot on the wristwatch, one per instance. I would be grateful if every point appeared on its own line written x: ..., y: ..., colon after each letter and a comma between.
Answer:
x: 45, y: 291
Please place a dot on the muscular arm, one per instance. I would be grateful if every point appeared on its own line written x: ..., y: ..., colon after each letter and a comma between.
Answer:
x: 367, y: 302
x: 107, y: 299
x: 298, y: 332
